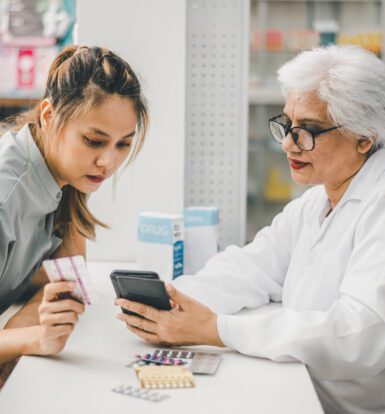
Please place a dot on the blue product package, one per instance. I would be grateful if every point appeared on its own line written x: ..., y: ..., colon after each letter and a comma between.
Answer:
x: 160, y: 246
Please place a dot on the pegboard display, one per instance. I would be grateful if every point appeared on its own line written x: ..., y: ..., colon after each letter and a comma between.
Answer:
x: 217, y: 111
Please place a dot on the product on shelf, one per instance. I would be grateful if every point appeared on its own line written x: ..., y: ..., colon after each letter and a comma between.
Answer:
x: 36, y: 23
x: 274, y: 40
x: 257, y: 40
x: 24, y: 70
x: 277, y: 189
x: 371, y: 40
x: 327, y: 30
x: 299, y: 40
x: 31, y: 34
x: 271, y: 40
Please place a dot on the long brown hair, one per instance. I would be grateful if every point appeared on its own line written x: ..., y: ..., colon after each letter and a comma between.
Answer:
x: 80, y: 78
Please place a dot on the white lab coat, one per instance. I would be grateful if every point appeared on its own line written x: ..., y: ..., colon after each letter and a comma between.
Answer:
x: 329, y: 274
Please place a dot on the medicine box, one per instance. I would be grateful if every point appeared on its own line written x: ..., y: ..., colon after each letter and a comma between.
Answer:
x: 161, y: 244
x: 201, y: 236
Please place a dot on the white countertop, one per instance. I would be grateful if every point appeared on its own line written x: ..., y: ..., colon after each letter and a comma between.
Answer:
x: 79, y: 380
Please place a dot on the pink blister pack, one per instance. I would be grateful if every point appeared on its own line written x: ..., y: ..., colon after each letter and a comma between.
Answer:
x: 73, y: 268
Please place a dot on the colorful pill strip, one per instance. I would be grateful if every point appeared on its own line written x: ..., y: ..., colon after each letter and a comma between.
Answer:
x: 161, y: 360
x: 170, y: 353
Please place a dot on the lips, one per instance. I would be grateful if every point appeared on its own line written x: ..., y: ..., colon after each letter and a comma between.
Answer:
x: 95, y: 178
x: 296, y: 164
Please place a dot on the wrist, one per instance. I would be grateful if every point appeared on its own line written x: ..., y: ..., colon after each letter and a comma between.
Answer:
x: 26, y: 316
x: 21, y: 321
x: 214, y: 338
x: 17, y: 342
x: 30, y: 343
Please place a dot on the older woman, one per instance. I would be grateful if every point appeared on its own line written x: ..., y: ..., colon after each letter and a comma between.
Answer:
x: 323, y: 257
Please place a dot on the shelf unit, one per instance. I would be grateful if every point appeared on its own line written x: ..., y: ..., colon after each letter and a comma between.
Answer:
x: 31, y: 35
x: 18, y: 102
x: 266, y: 96
x: 12, y: 105
x: 269, y: 184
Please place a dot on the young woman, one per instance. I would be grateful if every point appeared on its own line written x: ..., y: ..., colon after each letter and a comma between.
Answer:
x: 92, y: 118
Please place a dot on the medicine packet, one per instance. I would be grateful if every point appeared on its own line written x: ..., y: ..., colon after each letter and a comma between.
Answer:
x: 73, y: 268
x: 201, y: 237
x: 143, y: 394
x: 160, y: 244
x: 155, y: 377
x: 198, y: 362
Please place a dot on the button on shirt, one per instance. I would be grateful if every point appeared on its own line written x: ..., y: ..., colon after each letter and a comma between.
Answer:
x: 29, y: 195
x: 329, y: 273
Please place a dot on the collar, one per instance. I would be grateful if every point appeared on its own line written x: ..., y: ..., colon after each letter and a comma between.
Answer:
x: 36, y: 159
x: 366, y: 178
x: 360, y: 186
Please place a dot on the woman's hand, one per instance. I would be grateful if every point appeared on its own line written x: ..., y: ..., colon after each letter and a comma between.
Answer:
x: 57, y: 320
x: 188, y: 323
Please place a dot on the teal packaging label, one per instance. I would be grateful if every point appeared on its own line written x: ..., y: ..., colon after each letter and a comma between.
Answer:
x: 178, y: 259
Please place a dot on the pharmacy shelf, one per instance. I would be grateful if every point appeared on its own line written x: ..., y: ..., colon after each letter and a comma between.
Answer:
x: 266, y: 96
x: 288, y: 52
x: 264, y: 144
x: 17, y: 102
x: 316, y: 1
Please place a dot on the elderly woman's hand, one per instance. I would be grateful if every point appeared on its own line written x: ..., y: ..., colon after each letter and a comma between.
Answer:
x: 188, y: 323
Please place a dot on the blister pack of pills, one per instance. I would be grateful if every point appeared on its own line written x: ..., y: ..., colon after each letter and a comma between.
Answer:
x: 155, y: 377
x: 74, y: 269
x: 160, y: 360
x: 143, y: 394
x: 204, y: 363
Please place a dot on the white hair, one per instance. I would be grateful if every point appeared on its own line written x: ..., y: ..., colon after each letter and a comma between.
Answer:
x: 349, y: 79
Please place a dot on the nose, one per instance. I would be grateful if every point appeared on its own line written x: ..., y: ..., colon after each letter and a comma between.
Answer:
x: 106, y: 160
x: 288, y: 144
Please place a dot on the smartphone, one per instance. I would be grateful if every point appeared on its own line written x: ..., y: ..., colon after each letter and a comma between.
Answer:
x: 135, y: 273
x: 143, y: 287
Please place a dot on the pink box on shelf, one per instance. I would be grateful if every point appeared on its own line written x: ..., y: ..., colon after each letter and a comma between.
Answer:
x: 26, y: 68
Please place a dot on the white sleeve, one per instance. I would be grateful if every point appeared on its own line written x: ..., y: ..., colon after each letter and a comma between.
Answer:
x: 345, y: 342
x: 246, y: 277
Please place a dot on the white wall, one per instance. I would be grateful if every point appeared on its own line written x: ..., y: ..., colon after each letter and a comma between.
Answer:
x: 151, y: 36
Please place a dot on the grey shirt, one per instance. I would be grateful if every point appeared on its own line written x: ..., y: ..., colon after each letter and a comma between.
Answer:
x: 29, y: 195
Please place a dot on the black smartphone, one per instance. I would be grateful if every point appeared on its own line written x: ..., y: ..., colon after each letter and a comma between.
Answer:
x: 143, y: 287
x: 135, y: 273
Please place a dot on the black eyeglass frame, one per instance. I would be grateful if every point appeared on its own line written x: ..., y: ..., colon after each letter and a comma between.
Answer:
x: 287, y: 130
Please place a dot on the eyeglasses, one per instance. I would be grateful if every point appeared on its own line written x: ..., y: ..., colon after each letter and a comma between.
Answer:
x: 302, y: 137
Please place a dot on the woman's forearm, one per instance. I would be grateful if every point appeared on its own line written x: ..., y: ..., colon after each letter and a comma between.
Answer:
x: 28, y: 315
x: 17, y: 342
x: 20, y: 332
